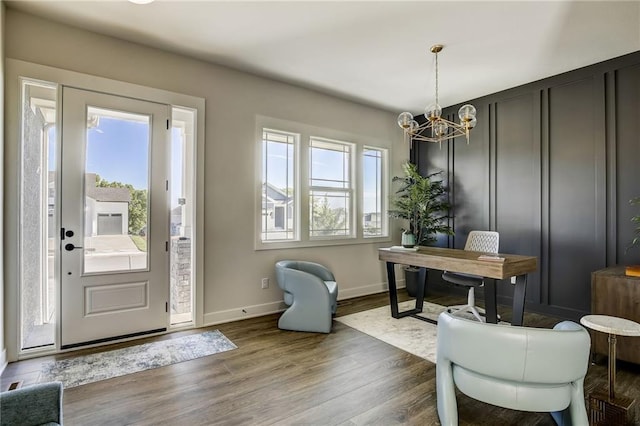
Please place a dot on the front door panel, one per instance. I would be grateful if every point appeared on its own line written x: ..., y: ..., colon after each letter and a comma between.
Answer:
x: 114, y: 217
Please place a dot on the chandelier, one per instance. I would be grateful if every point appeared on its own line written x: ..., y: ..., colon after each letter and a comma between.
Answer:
x: 436, y: 128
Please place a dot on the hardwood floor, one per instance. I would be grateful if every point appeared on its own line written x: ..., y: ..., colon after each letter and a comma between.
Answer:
x: 286, y: 378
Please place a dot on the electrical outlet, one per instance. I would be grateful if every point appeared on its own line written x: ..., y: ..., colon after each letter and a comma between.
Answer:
x: 513, y: 280
x: 265, y: 283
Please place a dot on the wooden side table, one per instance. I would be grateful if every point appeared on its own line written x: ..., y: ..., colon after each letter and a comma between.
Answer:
x: 607, y: 409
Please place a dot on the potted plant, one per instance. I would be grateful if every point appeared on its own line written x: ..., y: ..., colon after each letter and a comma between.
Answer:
x: 636, y: 220
x: 421, y: 201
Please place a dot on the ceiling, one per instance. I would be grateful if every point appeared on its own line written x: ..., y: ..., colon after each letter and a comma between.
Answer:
x: 373, y: 52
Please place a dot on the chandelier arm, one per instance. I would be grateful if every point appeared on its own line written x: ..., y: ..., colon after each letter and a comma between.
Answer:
x: 455, y: 131
x: 429, y: 124
x: 421, y: 138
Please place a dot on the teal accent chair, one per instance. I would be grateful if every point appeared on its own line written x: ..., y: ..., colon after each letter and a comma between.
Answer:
x: 311, y: 292
x: 34, y: 405
x: 520, y: 368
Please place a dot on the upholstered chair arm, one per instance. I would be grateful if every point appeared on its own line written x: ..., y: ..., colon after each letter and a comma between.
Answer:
x: 568, y: 325
x: 304, y: 284
x: 447, y: 404
x: 32, y: 405
x: 310, y: 267
x: 316, y: 269
x: 574, y: 414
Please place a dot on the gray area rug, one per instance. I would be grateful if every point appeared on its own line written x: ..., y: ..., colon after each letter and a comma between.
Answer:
x: 409, y: 334
x: 85, y: 369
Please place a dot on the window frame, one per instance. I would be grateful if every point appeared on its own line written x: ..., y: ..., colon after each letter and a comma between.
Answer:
x: 359, y: 144
x: 296, y: 185
x: 349, y: 190
x: 384, y: 192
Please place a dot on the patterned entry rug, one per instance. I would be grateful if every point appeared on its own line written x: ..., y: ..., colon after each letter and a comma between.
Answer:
x: 409, y: 334
x: 85, y: 369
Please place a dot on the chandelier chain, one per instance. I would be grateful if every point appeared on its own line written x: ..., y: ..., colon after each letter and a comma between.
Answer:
x: 437, y: 102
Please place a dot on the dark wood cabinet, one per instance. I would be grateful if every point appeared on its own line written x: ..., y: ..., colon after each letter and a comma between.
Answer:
x: 616, y: 294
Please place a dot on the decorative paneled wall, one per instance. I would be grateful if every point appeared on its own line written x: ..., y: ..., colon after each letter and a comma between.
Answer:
x: 552, y: 166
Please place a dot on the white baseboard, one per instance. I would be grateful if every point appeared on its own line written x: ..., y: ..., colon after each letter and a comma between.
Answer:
x: 366, y: 290
x: 229, y: 315
x: 244, y: 312
x: 3, y: 360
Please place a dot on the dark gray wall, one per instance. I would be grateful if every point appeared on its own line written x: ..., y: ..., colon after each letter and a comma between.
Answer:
x: 552, y: 166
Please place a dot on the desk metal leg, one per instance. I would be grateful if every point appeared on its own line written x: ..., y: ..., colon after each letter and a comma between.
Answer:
x: 393, y: 295
x: 393, y: 290
x: 519, y: 294
x: 422, y: 283
x: 490, y: 301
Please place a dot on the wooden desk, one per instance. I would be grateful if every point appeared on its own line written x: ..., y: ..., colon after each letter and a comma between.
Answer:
x: 464, y: 261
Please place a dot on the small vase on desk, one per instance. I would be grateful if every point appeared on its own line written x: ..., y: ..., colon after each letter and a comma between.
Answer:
x: 408, y: 239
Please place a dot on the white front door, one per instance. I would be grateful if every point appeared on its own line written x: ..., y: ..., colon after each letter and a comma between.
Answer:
x: 114, y: 217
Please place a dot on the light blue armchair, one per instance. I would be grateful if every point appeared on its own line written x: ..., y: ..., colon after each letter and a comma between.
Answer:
x: 311, y: 292
x: 520, y: 368
x: 32, y: 405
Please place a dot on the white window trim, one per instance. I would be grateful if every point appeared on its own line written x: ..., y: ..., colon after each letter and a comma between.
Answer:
x: 306, y: 131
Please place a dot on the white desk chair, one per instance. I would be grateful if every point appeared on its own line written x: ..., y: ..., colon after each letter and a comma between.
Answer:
x: 480, y: 241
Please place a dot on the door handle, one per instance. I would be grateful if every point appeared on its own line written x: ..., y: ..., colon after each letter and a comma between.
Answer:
x: 70, y: 247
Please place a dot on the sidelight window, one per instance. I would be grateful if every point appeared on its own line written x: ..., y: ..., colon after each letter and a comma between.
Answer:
x: 38, y: 195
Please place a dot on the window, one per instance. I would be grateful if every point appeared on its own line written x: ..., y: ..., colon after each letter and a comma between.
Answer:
x: 330, y: 188
x: 182, y: 254
x: 278, y: 186
x: 319, y: 187
x: 38, y: 176
x: 373, y: 207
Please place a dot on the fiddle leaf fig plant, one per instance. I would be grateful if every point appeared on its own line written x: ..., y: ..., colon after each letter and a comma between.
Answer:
x: 636, y: 220
x: 421, y: 200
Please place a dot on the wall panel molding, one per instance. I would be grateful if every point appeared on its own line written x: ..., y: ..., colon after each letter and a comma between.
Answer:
x: 560, y: 160
x: 611, y: 148
x: 544, y: 195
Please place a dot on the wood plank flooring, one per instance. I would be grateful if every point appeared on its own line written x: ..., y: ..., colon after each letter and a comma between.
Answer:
x: 278, y: 377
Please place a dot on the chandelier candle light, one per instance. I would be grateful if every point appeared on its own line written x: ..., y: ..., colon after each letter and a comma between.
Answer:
x: 436, y: 128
